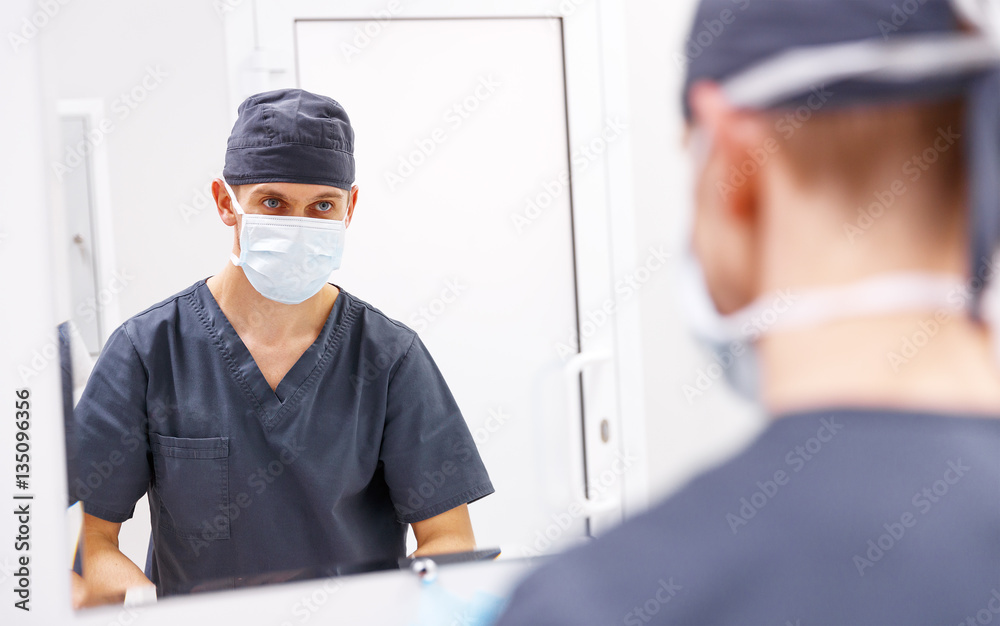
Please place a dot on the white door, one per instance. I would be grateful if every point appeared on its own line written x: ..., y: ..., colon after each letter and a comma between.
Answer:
x: 483, y: 225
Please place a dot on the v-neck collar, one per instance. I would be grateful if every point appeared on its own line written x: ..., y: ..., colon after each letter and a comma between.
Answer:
x: 271, y: 405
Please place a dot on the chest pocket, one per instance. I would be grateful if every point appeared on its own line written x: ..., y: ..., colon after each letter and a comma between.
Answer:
x: 192, y: 482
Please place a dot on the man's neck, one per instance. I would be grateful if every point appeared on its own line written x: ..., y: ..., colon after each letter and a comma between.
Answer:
x: 890, y: 361
x: 267, y: 321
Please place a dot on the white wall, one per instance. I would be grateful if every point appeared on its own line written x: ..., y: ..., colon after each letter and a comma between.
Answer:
x: 684, y: 437
x: 163, y: 154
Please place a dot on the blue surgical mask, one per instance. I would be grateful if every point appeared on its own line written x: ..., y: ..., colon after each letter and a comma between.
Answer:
x: 288, y: 259
x: 718, y: 334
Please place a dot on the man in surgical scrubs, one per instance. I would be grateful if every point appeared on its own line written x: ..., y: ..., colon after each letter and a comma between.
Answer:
x: 847, y: 217
x: 275, y: 421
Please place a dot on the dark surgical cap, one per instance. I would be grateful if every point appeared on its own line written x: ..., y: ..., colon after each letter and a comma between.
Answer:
x: 291, y: 136
x: 776, y: 54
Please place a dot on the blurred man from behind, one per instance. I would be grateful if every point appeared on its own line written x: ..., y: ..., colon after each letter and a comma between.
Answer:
x: 846, y: 194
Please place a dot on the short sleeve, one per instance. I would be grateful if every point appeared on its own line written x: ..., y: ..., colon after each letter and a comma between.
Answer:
x: 113, y: 458
x: 429, y: 457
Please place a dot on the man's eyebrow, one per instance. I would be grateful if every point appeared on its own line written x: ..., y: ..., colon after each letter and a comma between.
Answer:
x: 275, y: 193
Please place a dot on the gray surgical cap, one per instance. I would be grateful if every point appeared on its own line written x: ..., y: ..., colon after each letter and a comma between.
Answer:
x: 291, y: 136
x: 774, y: 54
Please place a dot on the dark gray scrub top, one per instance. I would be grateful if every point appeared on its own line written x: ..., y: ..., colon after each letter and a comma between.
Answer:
x: 845, y: 516
x: 360, y: 438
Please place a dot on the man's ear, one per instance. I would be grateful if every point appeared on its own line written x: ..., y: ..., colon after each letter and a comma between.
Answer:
x: 353, y: 204
x: 223, y: 204
x: 735, y: 137
x: 726, y: 233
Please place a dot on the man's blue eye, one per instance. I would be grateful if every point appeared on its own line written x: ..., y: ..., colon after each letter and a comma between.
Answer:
x: 269, y: 201
x: 324, y: 206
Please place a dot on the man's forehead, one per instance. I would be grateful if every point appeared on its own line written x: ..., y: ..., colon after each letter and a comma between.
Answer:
x: 296, y: 191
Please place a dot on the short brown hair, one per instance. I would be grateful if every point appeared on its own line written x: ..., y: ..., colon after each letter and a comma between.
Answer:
x: 860, y: 148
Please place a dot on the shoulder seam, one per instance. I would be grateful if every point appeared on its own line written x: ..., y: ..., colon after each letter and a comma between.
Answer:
x: 399, y: 365
x: 138, y: 356
x: 371, y: 308
x: 169, y: 300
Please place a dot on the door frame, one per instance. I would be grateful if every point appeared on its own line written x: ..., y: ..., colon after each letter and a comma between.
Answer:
x: 260, y: 47
x: 102, y: 216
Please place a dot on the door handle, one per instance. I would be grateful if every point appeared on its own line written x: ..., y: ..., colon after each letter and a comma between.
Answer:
x: 577, y: 445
